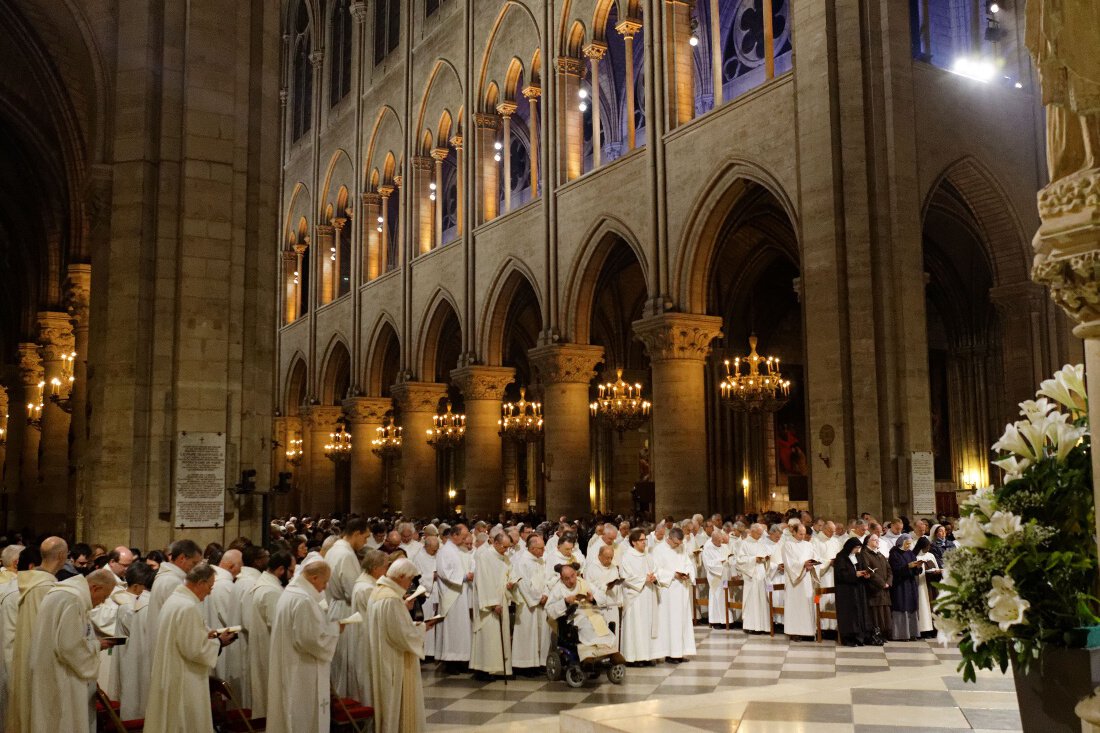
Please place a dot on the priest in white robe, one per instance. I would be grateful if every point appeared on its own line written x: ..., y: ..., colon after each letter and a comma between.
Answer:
x: 184, y: 655
x: 531, y: 633
x: 826, y: 546
x: 396, y: 648
x: 603, y: 578
x: 254, y: 563
x: 572, y: 599
x: 752, y: 563
x: 343, y: 559
x: 715, y: 562
x: 565, y: 553
x: 303, y: 641
x: 65, y: 654
x: 491, y: 652
x: 9, y: 610
x: 638, y: 638
x: 676, y: 578
x: 130, y: 657
x: 426, y: 561
x: 409, y: 542
x: 258, y: 615
x: 183, y: 556
x: 453, y: 578
x: 220, y: 607
x: 605, y: 539
x: 375, y: 564
x: 800, y: 576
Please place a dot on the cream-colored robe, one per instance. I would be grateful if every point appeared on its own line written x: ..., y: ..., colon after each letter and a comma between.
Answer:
x: 258, y: 614
x: 64, y: 660
x: 453, y: 632
x: 609, y: 602
x: 360, y: 603
x: 426, y: 564
x: 754, y: 616
x: 675, y: 637
x: 183, y: 657
x: 491, y: 651
x: 341, y: 586
x: 304, y: 642
x: 715, y: 563
x: 594, y: 638
x: 220, y: 611
x: 236, y: 663
x: 103, y: 619
x: 531, y: 633
x: 641, y: 600
x: 799, y: 618
x: 169, y: 577
x: 131, y: 622
x: 9, y: 611
x: 396, y: 646
x: 33, y: 587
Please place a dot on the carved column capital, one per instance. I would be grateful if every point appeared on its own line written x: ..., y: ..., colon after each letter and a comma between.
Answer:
x: 385, y: 191
x: 55, y: 335
x: 485, y: 121
x: 325, y: 230
x: 372, y: 198
x: 1067, y: 248
x: 358, y: 11
x: 506, y: 109
x: 322, y: 418
x: 629, y: 27
x: 566, y: 363
x: 678, y: 335
x: 569, y: 65
x: 534, y: 91
x: 369, y: 410
x: 78, y: 292
x: 30, y: 364
x: 423, y: 163
x: 418, y: 396
x: 440, y: 154
x: 316, y: 58
x: 456, y: 141
x: 595, y: 50
x: 483, y: 382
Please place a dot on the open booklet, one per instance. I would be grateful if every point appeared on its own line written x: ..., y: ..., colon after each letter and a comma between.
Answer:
x: 355, y: 618
x: 420, y: 591
x: 228, y: 630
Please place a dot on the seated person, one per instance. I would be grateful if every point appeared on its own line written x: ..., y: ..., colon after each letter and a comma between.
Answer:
x: 572, y: 599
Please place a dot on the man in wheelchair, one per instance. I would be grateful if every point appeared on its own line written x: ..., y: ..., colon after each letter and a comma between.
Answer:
x: 584, y: 642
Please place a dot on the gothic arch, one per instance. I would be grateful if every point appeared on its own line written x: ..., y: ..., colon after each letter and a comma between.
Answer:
x: 383, y: 338
x: 442, y: 93
x: 336, y: 373
x: 511, y: 275
x: 506, y: 32
x: 580, y: 292
x: 300, y: 206
x: 441, y: 306
x: 339, y: 174
x: 296, y: 385
x: 383, y: 139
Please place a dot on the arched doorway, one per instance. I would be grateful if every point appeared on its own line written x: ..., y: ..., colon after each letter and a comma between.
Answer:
x: 442, y: 348
x: 334, y: 388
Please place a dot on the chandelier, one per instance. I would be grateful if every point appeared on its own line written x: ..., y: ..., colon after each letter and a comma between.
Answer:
x: 338, y: 448
x: 61, y: 388
x: 294, y: 452
x: 620, y: 406
x: 448, y: 431
x: 521, y: 421
x: 757, y: 390
x: 388, y: 442
x: 34, y: 409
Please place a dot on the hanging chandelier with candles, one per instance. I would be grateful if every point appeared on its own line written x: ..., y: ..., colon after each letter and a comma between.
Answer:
x: 448, y: 429
x: 387, y: 443
x: 620, y: 406
x: 61, y: 388
x: 338, y: 448
x: 759, y: 387
x: 34, y: 408
x: 521, y: 421
x: 294, y: 452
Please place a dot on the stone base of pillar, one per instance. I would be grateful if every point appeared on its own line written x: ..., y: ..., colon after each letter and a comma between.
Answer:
x: 483, y: 391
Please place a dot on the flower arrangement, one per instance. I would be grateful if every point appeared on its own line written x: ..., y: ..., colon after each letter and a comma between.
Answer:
x: 1025, y: 567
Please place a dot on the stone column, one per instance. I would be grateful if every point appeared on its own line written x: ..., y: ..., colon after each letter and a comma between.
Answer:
x: 325, y: 278
x: 681, y: 63
x: 628, y: 29
x: 367, y: 480
x: 78, y: 297
x: 422, y: 172
x: 488, y: 170
x: 31, y: 374
x: 417, y: 402
x: 384, y: 264
x: 483, y: 391
x: 291, y: 269
x: 456, y: 141
x: 678, y: 344
x: 439, y: 155
x: 716, y: 52
x: 319, y: 492
x: 336, y: 256
x: 5, y: 425
x: 506, y: 110
x: 566, y: 370
x: 570, y: 120
x: 532, y: 94
x: 372, y: 235
x: 52, y: 502
x: 400, y: 252
x: 594, y: 52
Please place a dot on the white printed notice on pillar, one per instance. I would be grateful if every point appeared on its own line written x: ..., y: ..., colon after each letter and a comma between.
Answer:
x: 924, y: 482
x: 200, y: 480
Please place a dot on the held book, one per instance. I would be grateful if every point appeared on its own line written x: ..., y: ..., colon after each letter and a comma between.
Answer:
x: 228, y: 630
x: 355, y: 618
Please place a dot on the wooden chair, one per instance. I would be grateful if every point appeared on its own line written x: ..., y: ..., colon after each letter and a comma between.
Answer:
x: 772, y: 608
x: 823, y: 614
x: 731, y: 604
x: 351, y: 714
x: 107, y: 718
x: 229, y: 716
x: 702, y: 602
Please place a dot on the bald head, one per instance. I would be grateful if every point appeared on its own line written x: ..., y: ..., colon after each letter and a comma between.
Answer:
x: 101, y: 584
x: 54, y: 552
x: 232, y: 560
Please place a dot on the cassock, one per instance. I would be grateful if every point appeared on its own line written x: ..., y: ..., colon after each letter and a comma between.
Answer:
x: 9, y: 610
x: 132, y: 622
x: 675, y: 637
x: 397, y: 646
x: 609, y: 600
x: 592, y: 557
x: 715, y: 562
x: 755, y: 576
x: 412, y: 549
x: 637, y: 640
x: 64, y: 660
x: 341, y: 585
x: 360, y: 603
x: 220, y: 612
x: 168, y: 578
x: 594, y: 638
x: 183, y: 657
x: 775, y: 575
x: 557, y: 558
x: 258, y: 614
x: 825, y: 552
x: 531, y: 633
x: 304, y: 643
x: 33, y: 587
x: 426, y: 564
x: 492, y: 645
x: 236, y: 654
x: 453, y: 632
x: 799, y: 618
x: 104, y: 619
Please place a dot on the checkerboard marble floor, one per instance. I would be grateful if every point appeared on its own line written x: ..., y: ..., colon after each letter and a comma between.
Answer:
x: 744, y: 684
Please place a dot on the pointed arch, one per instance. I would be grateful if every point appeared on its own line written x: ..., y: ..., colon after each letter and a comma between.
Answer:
x: 339, y: 173
x: 503, y: 27
x: 509, y: 278
x: 336, y: 373
x: 296, y: 385
x: 441, y: 308
x: 299, y: 207
x: 384, y: 356
x: 443, y: 92
x: 383, y: 139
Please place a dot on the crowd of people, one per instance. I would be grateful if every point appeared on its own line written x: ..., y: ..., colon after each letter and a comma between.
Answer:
x: 341, y: 608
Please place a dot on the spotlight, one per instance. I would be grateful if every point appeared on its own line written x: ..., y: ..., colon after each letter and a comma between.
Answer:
x: 994, y: 8
x: 379, y: 228
x: 431, y: 186
x: 498, y: 145
x: 496, y: 157
x: 583, y: 94
x: 431, y: 197
x: 1019, y: 85
x: 693, y: 41
x: 380, y: 220
x: 976, y: 69
x: 582, y: 107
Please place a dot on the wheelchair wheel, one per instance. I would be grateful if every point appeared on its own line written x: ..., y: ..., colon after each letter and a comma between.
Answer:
x: 553, y: 666
x: 575, y: 676
x: 616, y: 673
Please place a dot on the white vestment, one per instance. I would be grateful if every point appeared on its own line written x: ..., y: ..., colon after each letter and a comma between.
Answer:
x: 64, y: 660
x: 775, y: 575
x: 638, y: 637
x: 360, y: 603
x: 609, y: 601
x: 453, y: 632
x: 754, y: 573
x: 131, y: 622
x: 169, y: 577
x: 426, y: 564
x: 396, y: 648
x: 33, y: 587
x: 236, y: 654
x: 715, y: 562
x: 257, y: 617
x: 9, y: 611
x: 492, y: 644
x: 103, y: 619
x: 412, y: 549
x: 825, y: 552
x: 345, y: 570
x: 556, y: 558
x: 924, y: 603
x: 594, y: 639
x: 220, y: 611
x: 799, y: 618
x: 592, y: 557
x: 183, y: 657
x: 531, y: 633
x: 675, y: 637
x: 303, y: 643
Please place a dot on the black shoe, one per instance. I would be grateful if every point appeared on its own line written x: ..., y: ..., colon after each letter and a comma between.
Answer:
x: 483, y: 676
x: 718, y: 627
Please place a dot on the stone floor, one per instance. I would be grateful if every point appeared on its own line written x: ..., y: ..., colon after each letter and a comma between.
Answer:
x: 747, y: 684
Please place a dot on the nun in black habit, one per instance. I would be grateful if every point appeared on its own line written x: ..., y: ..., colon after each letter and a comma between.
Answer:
x: 906, y: 570
x: 851, y: 577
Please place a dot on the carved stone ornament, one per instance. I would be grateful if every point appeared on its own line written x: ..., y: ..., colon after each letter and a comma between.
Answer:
x: 78, y: 291
x: 566, y: 363
x: 1074, y: 282
x: 55, y: 334
x: 483, y: 382
x: 30, y: 363
x: 418, y: 396
x: 678, y: 335
x: 369, y: 410
x: 322, y: 418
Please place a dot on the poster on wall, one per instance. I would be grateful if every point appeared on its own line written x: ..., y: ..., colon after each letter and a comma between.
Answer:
x: 923, y: 473
x: 200, y: 480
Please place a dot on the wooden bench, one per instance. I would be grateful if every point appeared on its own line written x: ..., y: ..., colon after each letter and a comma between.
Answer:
x: 823, y: 614
x: 772, y: 608
x: 731, y: 604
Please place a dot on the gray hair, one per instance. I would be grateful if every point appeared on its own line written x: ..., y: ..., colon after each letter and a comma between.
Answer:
x: 316, y: 570
x: 676, y: 533
x: 103, y: 578
x: 373, y: 560
x: 10, y: 555
x: 775, y: 528
x: 402, y: 567
x: 200, y: 573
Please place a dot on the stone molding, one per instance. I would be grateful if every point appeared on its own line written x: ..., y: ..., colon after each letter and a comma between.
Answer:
x: 456, y: 141
x: 423, y: 163
x: 418, y: 396
x: 372, y: 198
x: 533, y: 91
x: 483, y: 382
x: 483, y: 121
x: 1076, y: 196
x: 440, y: 154
x: 78, y: 292
x: 358, y: 11
x: 1067, y: 250
x: 506, y: 109
x: 55, y: 334
x: 595, y: 50
x: 30, y: 364
x: 566, y: 363
x: 678, y: 335
x: 322, y: 418
x: 325, y: 230
x: 369, y: 410
x: 569, y: 65
x: 629, y: 28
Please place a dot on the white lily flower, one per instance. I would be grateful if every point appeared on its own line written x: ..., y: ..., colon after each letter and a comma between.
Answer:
x: 949, y: 629
x: 1013, y: 442
x: 1006, y: 607
x: 970, y: 533
x: 1003, y: 524
x: 982, y: 631
x: 1013, y: 467
x: 982, y: 500
x: 1067, y: 388
x: 1065, y: 439
x: 1041, y: 407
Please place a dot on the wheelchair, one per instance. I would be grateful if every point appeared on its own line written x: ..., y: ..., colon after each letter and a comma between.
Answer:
x: 564, y: 662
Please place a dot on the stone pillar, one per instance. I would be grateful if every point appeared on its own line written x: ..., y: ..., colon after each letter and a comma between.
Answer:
x: 532, y: 94
x: 78, y: 296
x: 678, y: 344
x: 570, y: 119
x: 367, y: 480
x: 336, y: 256
x: 384, y: 264
x: 566, y: 370
x: 594, y: 52
x: 483, y: 391
x: 325, y: 277
x: 716, y: 52
x: 52, y: 501
x: 681, y: 63
x: 485, y: 131
x: 418, y: 402
x: 422, y: 172
x: 628, y: 29
x: 506, y: 110
x: 5, y: 436
x: 319, y: 492
x: 456, y: 141
x: 400, y: 252
x: 439, y: 155
x: 291, y: 268
x: 372, y: 235
x: 31, y: 374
